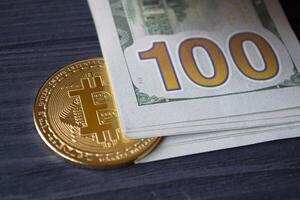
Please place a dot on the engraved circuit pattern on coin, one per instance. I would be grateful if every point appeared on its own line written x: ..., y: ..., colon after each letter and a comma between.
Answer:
x: 76, y: 116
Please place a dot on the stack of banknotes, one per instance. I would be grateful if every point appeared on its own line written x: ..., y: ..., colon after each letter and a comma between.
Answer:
x: 207, y: 74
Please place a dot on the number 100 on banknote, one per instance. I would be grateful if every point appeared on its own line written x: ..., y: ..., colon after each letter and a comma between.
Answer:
x: 214, y: 55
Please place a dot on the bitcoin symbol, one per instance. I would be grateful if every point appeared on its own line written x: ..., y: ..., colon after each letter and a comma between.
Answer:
x: 90, y: 108
x: 76, y: 116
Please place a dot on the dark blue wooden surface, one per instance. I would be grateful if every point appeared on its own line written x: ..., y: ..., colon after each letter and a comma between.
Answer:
x: 39, y: 36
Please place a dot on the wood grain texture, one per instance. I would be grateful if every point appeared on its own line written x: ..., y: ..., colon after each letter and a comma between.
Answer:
x: 39, y: 36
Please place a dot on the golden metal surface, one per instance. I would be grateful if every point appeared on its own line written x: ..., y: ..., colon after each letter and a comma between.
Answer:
x: 76, y: 116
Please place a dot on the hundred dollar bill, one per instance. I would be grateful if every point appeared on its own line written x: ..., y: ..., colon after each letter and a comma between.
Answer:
x: 176, y: 146
x: 178, y: 66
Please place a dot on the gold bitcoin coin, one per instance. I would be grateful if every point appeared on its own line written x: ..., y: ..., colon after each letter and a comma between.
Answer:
x: 76, y: 116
